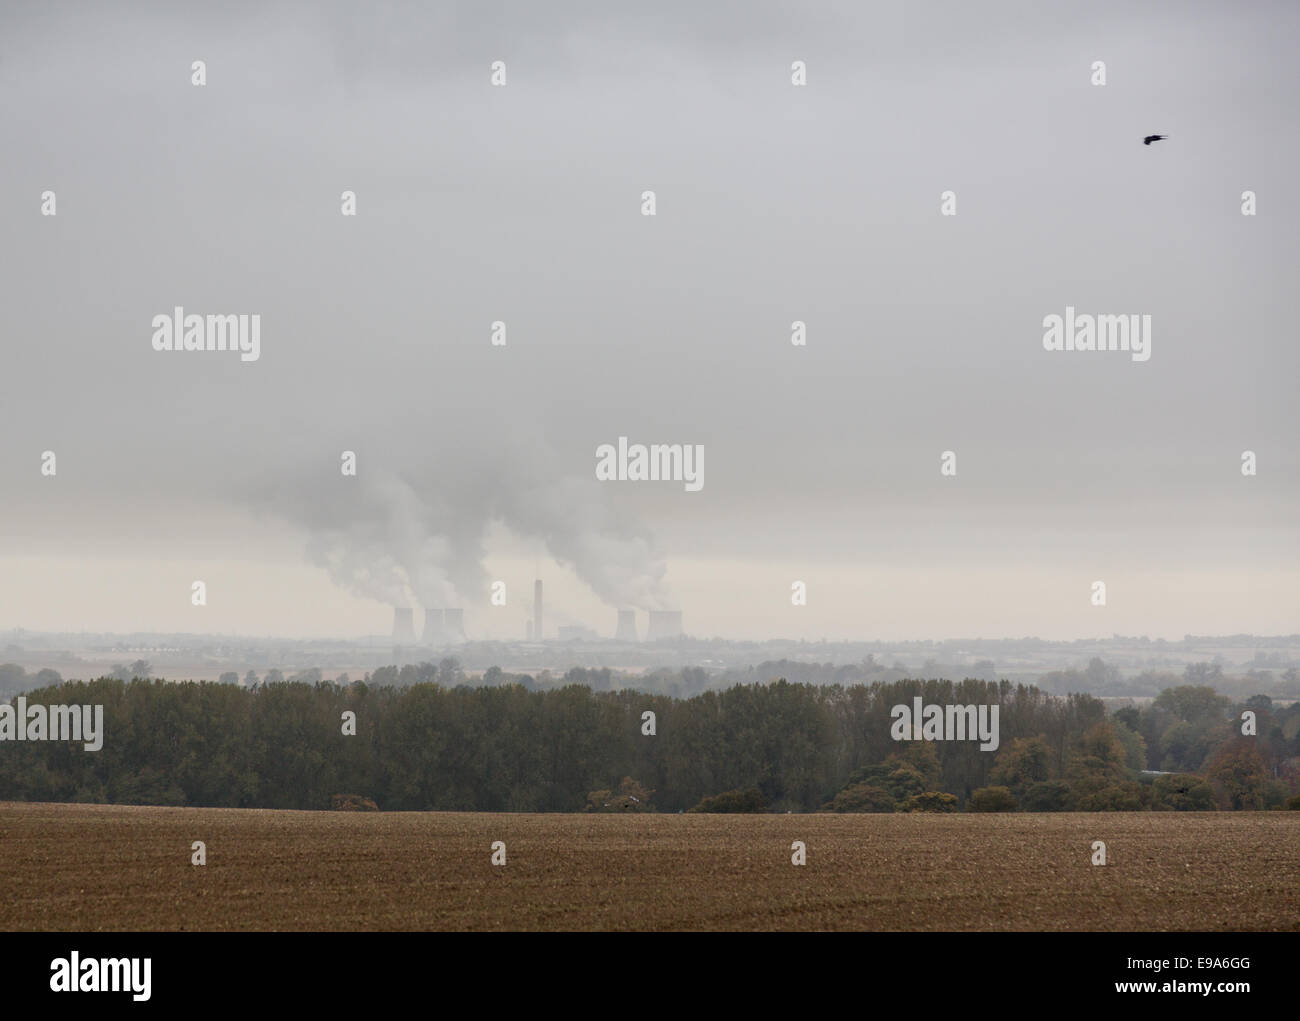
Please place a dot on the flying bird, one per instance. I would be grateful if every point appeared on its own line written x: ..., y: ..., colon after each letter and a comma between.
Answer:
x: 1153, y: 138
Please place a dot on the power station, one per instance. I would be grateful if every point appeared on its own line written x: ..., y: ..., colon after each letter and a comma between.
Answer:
x: 626, y: 631
x: 403, y: 625
x: 432, y: 627
x: 664, y: 624
x: 447, y: 626
x: 441, y: 627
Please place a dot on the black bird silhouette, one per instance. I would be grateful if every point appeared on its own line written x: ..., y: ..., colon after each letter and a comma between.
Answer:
x: 1153, y: 138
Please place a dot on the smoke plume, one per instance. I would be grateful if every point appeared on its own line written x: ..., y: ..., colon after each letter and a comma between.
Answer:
x: 387, y: 536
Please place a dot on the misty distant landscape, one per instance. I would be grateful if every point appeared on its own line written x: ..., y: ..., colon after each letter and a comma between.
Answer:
x: 716, y: 464
x: 1117, y: 667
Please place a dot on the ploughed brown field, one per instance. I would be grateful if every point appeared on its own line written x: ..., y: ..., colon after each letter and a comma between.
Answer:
x: 91, y: 867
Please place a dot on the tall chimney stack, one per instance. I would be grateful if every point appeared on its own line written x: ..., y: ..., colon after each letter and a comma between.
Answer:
x: 537, y: 610
x: 403, y: 625
x: 626, y: 627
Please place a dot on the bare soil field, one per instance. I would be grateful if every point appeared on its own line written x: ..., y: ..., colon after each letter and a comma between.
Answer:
x: 98, y: 867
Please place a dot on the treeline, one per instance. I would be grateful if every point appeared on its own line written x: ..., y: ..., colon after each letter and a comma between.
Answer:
x: 13, y: 679
x: 1098, y: 678
x: 774, y: 747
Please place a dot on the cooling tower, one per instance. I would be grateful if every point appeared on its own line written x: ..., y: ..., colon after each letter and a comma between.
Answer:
x: 432, y: 628
x: 403, y: 625
x: 537, y: 610
x: 626, y: 627
x: 664, y: 624
x: 453, y: 625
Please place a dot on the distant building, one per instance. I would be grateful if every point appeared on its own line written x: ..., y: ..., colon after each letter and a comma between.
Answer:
x: 664, y: 624
x: 453, y: 625
x: 403, y: 626
x: 626, y: 630
x: 432, y: 627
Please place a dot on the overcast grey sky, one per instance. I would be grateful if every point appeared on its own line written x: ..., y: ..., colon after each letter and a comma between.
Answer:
x: 775, y: 203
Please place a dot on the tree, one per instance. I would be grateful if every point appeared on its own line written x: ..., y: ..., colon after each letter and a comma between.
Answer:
x: 1114, y: 797
x: 930, y: 801
x: 991, y: 799
x: 1099, y: 676
x: 1046, y: 796
x: 1205, y: 675
x: 1135, y: 749
x: 1192, y: 702
x: 12, y: 677
x: 748, y: 800
x: 631, y: 797
x: 1022, y: 763
x: 896, y: 777
x: 861, y: 797
x: 1239, y: 776
x: 449, y: 672
x: 1097, y: 756
x: 1182, y: 792
x: 1098, y: 773
x: 922, y: 757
